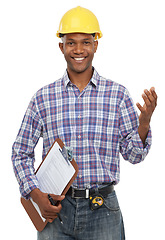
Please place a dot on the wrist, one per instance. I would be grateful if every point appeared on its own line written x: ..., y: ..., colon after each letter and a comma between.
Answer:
x: 144, y: 127
x: 143, y: 131
x: 35, y: 195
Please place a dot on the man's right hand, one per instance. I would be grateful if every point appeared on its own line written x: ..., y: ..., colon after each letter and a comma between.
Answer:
x: 48, y: 211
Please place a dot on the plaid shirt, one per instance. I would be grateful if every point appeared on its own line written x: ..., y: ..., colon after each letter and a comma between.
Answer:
x: 98, y: 123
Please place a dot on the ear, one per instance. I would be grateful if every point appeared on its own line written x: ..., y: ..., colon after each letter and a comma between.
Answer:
x: 95, y: 45
x: 61, y: 47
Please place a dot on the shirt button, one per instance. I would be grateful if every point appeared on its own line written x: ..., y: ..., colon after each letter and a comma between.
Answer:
x: 79, y: 136
x: 79, y: 157
x: 79, y: 116
x: 80, y: 176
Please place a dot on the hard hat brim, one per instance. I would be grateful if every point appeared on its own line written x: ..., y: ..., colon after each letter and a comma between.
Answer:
x: 98, y: 35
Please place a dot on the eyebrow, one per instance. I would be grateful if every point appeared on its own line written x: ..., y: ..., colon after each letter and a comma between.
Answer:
x: 71, y: 39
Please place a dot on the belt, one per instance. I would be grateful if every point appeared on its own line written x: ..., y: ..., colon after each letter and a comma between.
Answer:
x: 86, y: 193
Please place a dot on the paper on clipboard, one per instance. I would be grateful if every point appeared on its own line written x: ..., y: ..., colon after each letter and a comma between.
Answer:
x: 54, y: 173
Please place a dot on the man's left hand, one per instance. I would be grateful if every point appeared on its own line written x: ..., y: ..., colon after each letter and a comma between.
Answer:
x: 150, y: 103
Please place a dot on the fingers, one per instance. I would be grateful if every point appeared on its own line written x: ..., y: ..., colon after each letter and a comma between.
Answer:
x: 50, y: 212
x: 50, y: 220
x: 57, y: 197
x: 152, y: 90
x: 150, y: 99
x: 150, y: 102
x: 147, y: 97
x: 140, y: 107
x: 152, y: 96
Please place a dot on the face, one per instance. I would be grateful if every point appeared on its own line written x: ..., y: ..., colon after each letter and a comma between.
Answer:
x: 78, y: 50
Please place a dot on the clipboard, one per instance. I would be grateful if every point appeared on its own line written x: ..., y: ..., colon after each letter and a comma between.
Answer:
x: 35, y: 217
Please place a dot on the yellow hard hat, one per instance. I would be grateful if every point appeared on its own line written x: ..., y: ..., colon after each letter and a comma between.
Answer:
x: 79, y: 20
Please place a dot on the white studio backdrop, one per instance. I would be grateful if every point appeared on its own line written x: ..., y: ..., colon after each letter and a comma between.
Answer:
x: 131, y: 52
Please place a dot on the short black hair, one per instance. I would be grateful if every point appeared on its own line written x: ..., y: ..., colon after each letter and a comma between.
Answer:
x: 62, y: 35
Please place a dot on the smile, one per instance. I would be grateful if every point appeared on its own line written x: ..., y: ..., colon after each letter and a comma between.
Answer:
x: 78, y: 59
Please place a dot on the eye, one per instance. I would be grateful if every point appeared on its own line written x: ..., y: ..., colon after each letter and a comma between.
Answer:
x: 86, y: 43
x: 70, y: 43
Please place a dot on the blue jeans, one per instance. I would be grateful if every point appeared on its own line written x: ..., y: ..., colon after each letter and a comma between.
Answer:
x: 81, y: 223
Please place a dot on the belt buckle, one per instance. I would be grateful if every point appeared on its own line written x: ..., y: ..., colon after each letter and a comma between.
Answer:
x: 86, y: 193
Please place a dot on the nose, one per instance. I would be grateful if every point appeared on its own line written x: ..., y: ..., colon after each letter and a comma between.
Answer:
x: 78, y: 49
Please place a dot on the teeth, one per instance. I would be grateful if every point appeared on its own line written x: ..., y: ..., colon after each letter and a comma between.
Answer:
x: 79, y: 59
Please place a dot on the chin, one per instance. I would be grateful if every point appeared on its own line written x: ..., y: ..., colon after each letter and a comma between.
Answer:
x: 80, y: 69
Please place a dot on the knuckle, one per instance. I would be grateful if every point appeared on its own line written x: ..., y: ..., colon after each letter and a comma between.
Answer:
x: 142, y: 110
x: 57, y: 210
x: 60, y: 207
x: 149, y: 104
x: 44, y: 212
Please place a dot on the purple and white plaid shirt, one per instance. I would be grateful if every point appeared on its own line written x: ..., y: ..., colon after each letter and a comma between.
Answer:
x: 98, y: 123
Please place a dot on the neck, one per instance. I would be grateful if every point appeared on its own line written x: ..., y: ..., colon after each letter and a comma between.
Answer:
x: 82, y: 79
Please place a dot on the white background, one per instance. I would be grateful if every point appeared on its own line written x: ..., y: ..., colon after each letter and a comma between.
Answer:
x: 131, y: 52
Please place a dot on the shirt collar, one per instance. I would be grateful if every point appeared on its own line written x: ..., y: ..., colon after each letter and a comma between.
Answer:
x: 95, y: 77
x: 94, y: 80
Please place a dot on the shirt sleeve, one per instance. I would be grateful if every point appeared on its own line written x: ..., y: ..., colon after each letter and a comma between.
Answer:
x: 131, y: 146
x: 23, y: 150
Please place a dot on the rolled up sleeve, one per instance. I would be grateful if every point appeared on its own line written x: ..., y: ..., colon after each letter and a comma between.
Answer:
x: 131, y: 145
x: 23, y: 150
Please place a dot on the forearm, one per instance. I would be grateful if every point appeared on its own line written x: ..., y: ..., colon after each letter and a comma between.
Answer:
x: 143, y: 132
x: 23, y: 166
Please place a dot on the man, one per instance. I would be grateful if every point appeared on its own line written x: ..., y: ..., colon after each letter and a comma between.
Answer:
x: 96, y: 117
